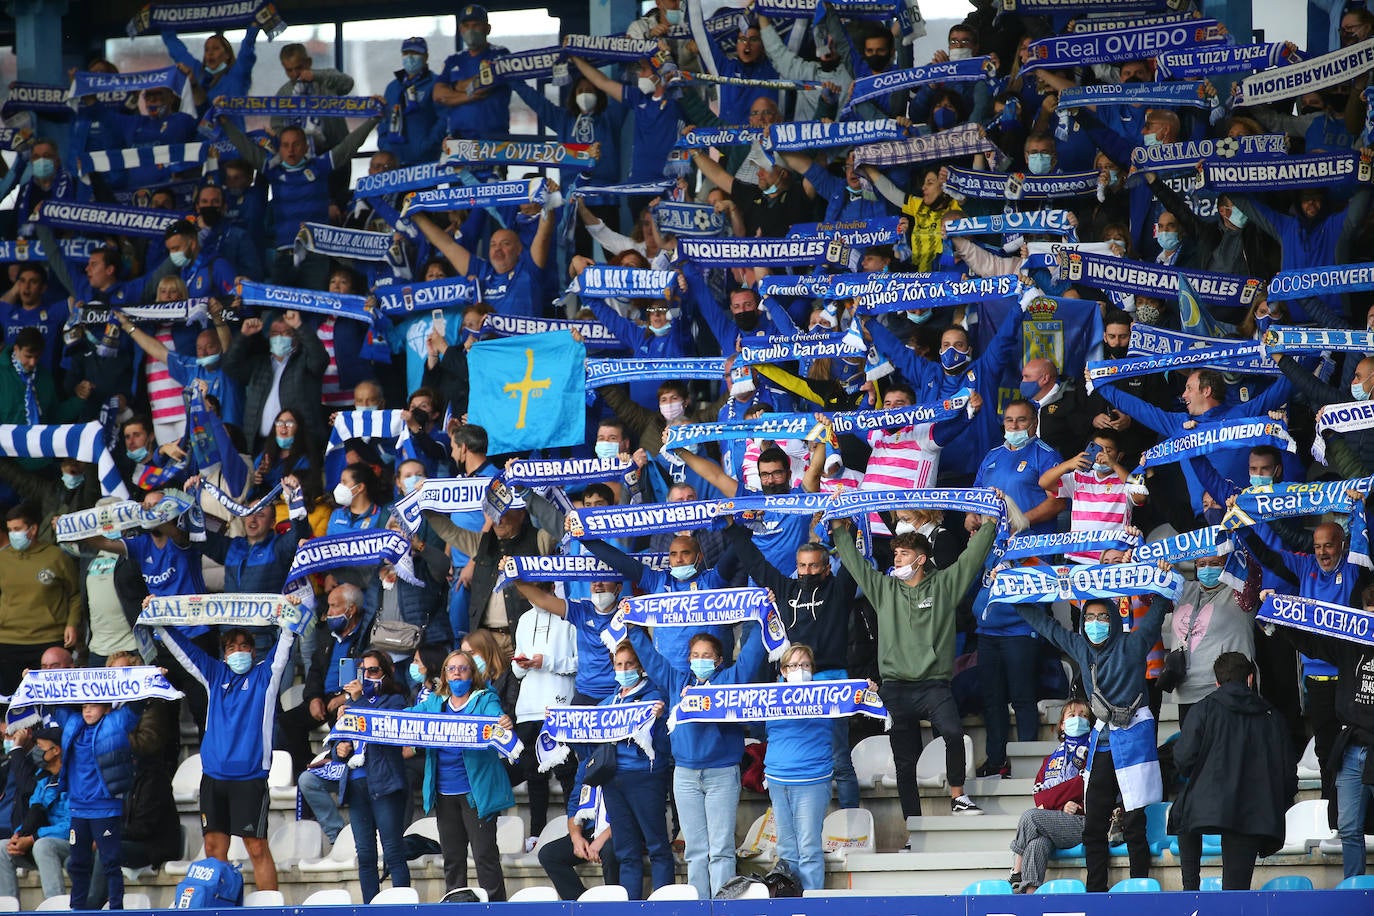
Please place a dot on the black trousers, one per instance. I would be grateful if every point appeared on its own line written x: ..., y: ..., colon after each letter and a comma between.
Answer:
x: 1238, y: 854
x: 1098, y: 803
x: 15, y: 658
x: 561, y: 866
x: 909, y: 702
x: 1321, y: 716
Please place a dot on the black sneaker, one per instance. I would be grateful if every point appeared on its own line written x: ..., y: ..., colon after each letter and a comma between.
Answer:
x: 987, y: 769
x: 963, y: 805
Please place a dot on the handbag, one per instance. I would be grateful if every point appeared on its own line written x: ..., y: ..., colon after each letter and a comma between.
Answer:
x: 1174, y: 671
x: 396, y: 636
x: 600, y: 765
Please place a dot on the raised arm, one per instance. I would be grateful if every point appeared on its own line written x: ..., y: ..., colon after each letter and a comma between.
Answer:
x: 709, y: 471
x: 613, y: 88
x: 542, y: 243
x: 616, y: 558
x: 713, y: 171
x: 542, y: 598
x: 457, y: 255
x: 253, y: 154
x: 340, y: 155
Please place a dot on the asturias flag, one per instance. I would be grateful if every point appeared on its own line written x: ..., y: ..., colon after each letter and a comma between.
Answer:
x: 529, y: 391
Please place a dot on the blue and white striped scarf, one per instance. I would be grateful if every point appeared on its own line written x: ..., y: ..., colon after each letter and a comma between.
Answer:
x: 366, y: 424
x: 81, y: 441
x: 1135, y: 760
x: 881, y: 84
x: 174, y: 157
x: 1200, y: 63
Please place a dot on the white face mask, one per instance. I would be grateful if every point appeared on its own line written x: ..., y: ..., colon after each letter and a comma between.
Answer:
x: 647, y: 85
x: 586, y: 101
x: 797, y: 676
x: 904, y: 528
x: 671, y: 410
x: 960, y: 53
x: 603, y: 600
x: 343, y: 495
x: 903, y: 572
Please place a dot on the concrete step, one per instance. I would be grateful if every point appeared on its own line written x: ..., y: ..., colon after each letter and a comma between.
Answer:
x: 978, y: 834
x: 1027, y: 756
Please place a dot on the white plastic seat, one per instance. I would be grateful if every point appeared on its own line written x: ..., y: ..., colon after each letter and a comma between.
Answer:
x: 604, y: 893
x: 756, y: 891
x: 540, y: 893
x: 134, y: 901
x: 477, y: 892
x: 396, y: 895
x: 555, y: 829
x: 761, y: 839
x: 293, y: 696
x: 186, y: 780
x: 848, y: 830
x: 295, y: 841
x: 930, y: 768
x: 510, y: 836
x: 428, y: 827
x: 264, y: 898
x: 60, y: 902
x: 181, y: 866
x: 343, y: 856
x: 9, y: 904
x: 330, y: 896
x: 1304, y: 826
x: 280, y: 784
x: 675, y: 892
x: 1308, y: 767
x: 873, y: 761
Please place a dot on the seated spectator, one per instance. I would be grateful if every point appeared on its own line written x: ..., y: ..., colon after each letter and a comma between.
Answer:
x: 1056, y: 821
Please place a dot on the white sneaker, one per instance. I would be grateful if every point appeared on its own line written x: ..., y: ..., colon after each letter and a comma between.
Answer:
x: 530, y: 843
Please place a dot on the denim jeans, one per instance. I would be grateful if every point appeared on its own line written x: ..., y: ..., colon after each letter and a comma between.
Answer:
x: 800, y: 812
x: 846, y: 783
x: 637, y: 806
x: 49, y: 854
x: 319, y: 795
x: 1008, y: 667
x: 384, y: 815
x: 1352, y: 797
x: 706, y: 804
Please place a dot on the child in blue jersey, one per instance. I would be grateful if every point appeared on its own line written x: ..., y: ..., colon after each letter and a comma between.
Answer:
x: 98, y: 768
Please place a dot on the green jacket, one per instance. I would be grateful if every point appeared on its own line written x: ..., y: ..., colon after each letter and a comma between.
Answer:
x: 40, y: 595
x: 12, y: 395
x: 916, y: 622
x: 491, y: 792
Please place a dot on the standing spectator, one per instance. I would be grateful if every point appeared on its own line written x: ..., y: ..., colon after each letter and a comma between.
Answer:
x: 545, y: 666
x: 1241, y: 775
x: 589, y: 618
x: 1208, y: 621
x: 468, y: 108
x: 219, y: 71
x: 282, y: 372
x: 411, y: 130
x: 304, y: 79
x: 27, y: 391
x: 41, y: 603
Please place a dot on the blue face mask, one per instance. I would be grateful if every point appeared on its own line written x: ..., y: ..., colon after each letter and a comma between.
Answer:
x: 179, y: 258
x: 459, y: 688
x: 43, y: 169
x: 1169, y: 241
x: 1238, y: 217
x: 1261, y: 480
x: 138, y: 454
x: 216, y: 71
x: 280, y: 345
x: 772, y: 189
x: 412, y: 63
x: 1358, y: 392
x: 952, y: 359
x: 1039, y: 163
x: 674, y: 17
x: 702, y: 667
x: 19, y: 540
x: 1150, y: 139
x: 72, y: 481
x: 919, y: 317
x: 1076, y: 726
x: 660, y: 331
x: 285, y: 441
x: 683, y: 573
x: 1029, y: 390
x: 605, y: 450
x: 239, y: 662
x: 1097, y: 631
x: 372, y: 686
x: 1017, y: 438
x: 336, y: 623
x: 417, y: 673
x: 627, y: 678
x: 1209, y: 576
x: 208, y: 362
x: 944, y: 118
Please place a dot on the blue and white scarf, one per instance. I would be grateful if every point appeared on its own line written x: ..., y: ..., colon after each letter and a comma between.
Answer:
x: 534, y: 472
x: 769, y: 426
x: 233, y: 506
x: 432, y: 730
x: 72, y: 686
x: 207, y: 16
x: 184, y: 311
x: 338, y: 242
x: 709, y: 607
x: 601, y: 48
x: 1320, y: 281
x: 175, y: 157
x: 1041, y: 584
x: 779, y: 349
x: 1120, y: 45
x: 1255, y: 505
x: 601, y: 282
x: 1042, y: 545
x: 460, y: 151
x: 810, y: 285
x: 1126, y: 276
x: 1112, y: 23
x: 1153, y: 95
x: 338, y: 305
x: 976, y: 500
x: 1282, y: 339
x: 85, y: 83
x: 622, y: 371
x: 1320, y: 617
x: 564, y: 725
x: 960, y: 140
x: 810, y: 9
x: 902, y: 297
x: 493, y: 194
x: 538, y: 64
x: 993, y: 186
x: 1286, y: 82
x: 21, y: 250
x: 403, y: 300
x: 39, y: 98
x: 859, y: 285
x: 858, y: 234
x: 753, y: 252
x: 688, y: 220
x: 1045, y: 222
x: 680, y: 78
x: 1231, y: 359
x: 1243, y: 356
x: 1316, y: 170
x: 408, y: 178
x: 604, y: 522
x: 618, y: 190
x: 1135, y: 759
x: 1200, y: 63
x: 1340, y: 418
x: 1185, y: 156
x: 1210, y: 437
x: 103, y: 219
x: 582, y: 567
x: 444, y: 495
x: 228, y: 609
x: 81, y: 441
x: 354, y: 548
x: 771, y: 702
x: 594, y: 333
x: 288, y: 106
x: 112, y: 519
x: 880, y: 84
x: 802, y: 136
x: 1201, y: 542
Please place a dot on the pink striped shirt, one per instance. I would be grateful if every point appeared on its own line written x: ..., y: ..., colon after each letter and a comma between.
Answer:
x: 902, y: 459
x: 333, y: 396
x: 1099, y: 504
x: 164, y: 392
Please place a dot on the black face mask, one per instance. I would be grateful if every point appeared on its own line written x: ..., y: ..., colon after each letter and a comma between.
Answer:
x: 747, y: 321
x: 211, y: 216
x: 776, y: 489
x: 829, y: 64
x: 1133, y: 79
x: 878, y: 62
x: 1114, y: 352
x: 812, y: 580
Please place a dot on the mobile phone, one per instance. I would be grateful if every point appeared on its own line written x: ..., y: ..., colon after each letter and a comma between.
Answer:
x: 437, y: 316
x: 1092, y: 450
x: 348, y: 671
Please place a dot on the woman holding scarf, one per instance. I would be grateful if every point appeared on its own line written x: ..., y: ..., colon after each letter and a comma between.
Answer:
x: 219, y: 72
x: 466, y: 789
x: 1056, y: 821
x: 377, y: 789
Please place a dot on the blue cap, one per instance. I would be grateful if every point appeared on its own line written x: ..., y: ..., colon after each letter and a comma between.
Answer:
x: 414, y: 46
x: 473, y: 11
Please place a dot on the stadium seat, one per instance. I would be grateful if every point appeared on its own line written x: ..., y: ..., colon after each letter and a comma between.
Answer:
x: 1308, y: 768
x: 540, y: 893
x: 873, y: 762
x: 761, y: 839
x: 330, y: 896
x: 264, y: 898
x: 1355, y: 882
x: 1062, y: 886
x: 9, y: 904
x: 1288, y: 883
x: 602, y: 893
x: 343, y: 856
x: 556, y: 828
x: 989, y: 886
x: 510, y: 836
x: 930, y: 768
x: 1304, y: 825
x: 295, y: 841
x: 1157, y: 826
x: 186, y: 780
x: 1211, y: 845
x: 403, y: 895
x: 1211, y: 884
x: 281, y: 786
x: 675, y: 892
x: 848, y: 830
x: 428, y: 827
x: 60, y: 902
x: 134, y: 901
x: 1135, y: 886
x: 755, y: 891
x: 1073, y: 852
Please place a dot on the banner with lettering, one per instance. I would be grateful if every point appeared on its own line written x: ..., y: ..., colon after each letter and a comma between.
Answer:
x: 228, y: 609
x: 564, y: 725
x: 1201, y: 542
x: 1278, y: 84
x: 1320, y: 617
x: 709, y: 607
x: 444, y: 495
x: 1210, y: 437
x: 431, y: 730
x: 1121, y: 45
x: 1040, y: 584
x: 771, y: 702
x: 75, y: 686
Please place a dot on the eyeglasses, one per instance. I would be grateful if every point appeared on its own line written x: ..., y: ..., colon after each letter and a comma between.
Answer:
x: 457, y: 669
x: 287, y: 424
x: 772, y: 475
x: 1105, y: 618
x: 800, y: 666
x: 370, y: 669
x: 962, y: 42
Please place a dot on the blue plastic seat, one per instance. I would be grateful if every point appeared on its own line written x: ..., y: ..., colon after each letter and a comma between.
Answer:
x: 1211, y: 844
x: 1157, y: 826
x: 1073, y: 852
x: 1211, y: 884
x: 1357, y: 882
x: 1062, y: 886
x: 1288, y: 883
x: 989, y: 886
x: 1135, y: 886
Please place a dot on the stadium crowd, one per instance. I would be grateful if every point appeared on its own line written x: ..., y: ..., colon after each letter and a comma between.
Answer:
x: 995, y: 244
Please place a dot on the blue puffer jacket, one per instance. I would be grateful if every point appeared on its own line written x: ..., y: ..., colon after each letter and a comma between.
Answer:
x: 491, y: 792
x: 114, y: 757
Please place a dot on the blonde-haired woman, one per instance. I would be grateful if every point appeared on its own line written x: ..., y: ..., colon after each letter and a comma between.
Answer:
x: 1056, y: 821
x: 467, y: 789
